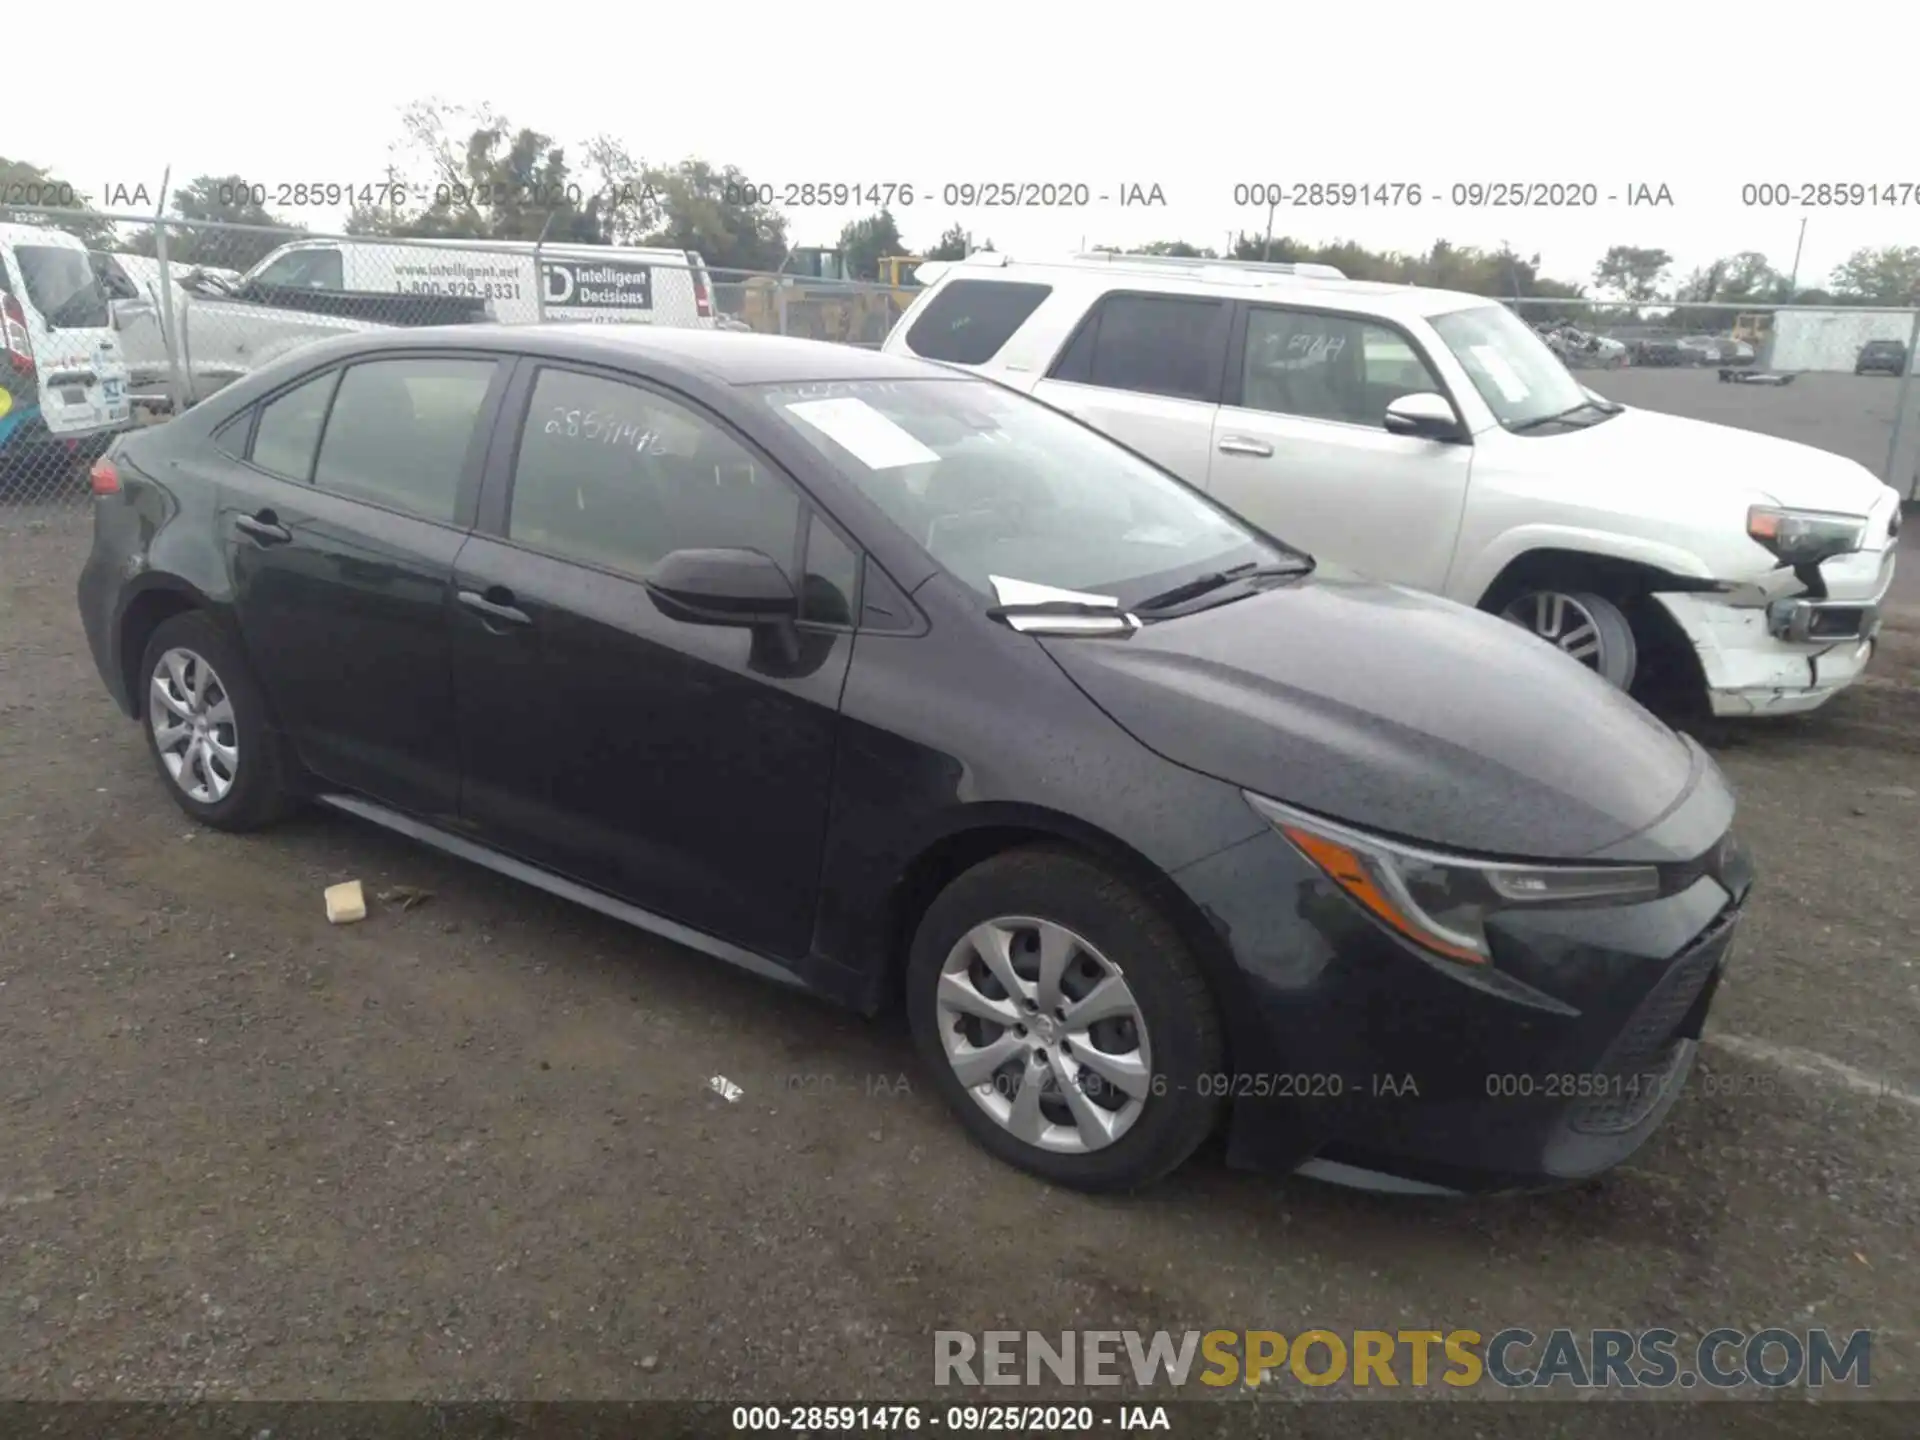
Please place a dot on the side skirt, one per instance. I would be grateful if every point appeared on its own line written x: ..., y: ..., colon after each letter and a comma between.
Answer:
x: 633, y: 915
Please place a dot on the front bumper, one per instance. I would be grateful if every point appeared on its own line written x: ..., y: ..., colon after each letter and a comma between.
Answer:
x: 1787, y: 655
x: 1360, y: 1059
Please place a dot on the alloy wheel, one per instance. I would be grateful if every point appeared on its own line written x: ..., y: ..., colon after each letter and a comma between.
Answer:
x: 1044, y: 1033
x: 194, y: 731
x: 1584, y: 627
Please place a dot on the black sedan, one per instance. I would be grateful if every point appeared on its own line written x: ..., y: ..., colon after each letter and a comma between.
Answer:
x: 884, y: 681
x: 1887, y: 357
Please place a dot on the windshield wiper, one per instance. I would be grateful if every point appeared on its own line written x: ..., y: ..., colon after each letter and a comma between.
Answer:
x: 1605, y: 408
x: 1202, y: 584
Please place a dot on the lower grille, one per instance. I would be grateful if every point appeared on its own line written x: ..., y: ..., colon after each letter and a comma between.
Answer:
x: 1650, y: 1054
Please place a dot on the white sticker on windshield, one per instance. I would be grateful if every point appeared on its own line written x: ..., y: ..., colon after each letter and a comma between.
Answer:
x: 870, y: 437
x: 1502, y: 373
x: 1028, y: 592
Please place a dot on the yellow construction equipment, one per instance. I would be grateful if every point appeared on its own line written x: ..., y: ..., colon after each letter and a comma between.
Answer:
x: 815, y: 297
x: 1752, y: 328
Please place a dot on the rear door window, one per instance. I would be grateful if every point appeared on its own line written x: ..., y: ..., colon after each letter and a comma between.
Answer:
x: 399, y: 432
x: 1171, y: 345
x: 62, y: 286
x: 968, y: 322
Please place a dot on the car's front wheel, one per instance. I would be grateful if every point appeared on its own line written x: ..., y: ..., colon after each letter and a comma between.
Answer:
x: 1065, y: 1021
x: 207, y: 729
x: 1582, y: 625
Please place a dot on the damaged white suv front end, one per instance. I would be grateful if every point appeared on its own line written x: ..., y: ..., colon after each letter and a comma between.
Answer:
x: 1769, y: 559
x: 1791, y: 638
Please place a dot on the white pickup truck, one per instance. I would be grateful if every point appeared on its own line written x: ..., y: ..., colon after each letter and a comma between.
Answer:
x: 225, y: 327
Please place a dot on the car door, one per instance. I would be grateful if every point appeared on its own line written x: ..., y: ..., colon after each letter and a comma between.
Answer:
x: 1301, y: 449
x: 1147, y: 370
x: 683, y: 768
x: 356, y: 492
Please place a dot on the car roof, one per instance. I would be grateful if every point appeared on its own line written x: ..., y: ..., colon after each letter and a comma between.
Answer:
x: 727, y: 357
x: 1375, y: 297
x: 39, y: 235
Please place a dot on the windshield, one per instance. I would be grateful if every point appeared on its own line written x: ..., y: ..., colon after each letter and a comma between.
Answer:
x: 994, y: 484
x: 62, y: 286
x: 1519, y: 377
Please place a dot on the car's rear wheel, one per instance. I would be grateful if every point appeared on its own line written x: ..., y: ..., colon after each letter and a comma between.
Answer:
x: 1065, y: 1021
x: 206, y: 726
x: 1582, y: 625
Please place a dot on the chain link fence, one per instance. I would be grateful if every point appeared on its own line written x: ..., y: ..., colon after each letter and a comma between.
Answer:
x: 1838, y: 377
x: 114, y: 321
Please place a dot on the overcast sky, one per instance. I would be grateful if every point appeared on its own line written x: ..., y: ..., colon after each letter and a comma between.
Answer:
x: 1193, y: 99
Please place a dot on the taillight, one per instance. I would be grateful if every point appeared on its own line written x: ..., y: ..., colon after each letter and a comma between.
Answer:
x: 105, y: 479
x: 702, y: 304
x: 13, y: 322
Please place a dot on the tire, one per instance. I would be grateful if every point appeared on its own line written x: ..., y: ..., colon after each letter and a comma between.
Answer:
x: 1175, y: 1044
x: 1585, y: 626
x: 240, y: 781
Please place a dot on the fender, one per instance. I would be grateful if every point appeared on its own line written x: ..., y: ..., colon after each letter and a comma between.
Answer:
x: 1472, y: 577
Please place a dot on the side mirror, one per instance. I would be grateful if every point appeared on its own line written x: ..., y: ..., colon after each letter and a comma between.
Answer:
x: 723, y: 587
x: 1426, y: 415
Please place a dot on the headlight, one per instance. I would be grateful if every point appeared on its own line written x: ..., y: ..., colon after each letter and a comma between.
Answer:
x: 1805, y: 537
x: 1441, y: 902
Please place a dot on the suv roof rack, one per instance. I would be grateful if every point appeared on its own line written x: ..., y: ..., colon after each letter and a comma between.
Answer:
x: 1306, y: 270
x: 1232, y: 272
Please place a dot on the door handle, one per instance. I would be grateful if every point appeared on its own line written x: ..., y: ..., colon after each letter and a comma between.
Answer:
x: 1244, y: 445
x: 265, y: 527
x: 495, y: 610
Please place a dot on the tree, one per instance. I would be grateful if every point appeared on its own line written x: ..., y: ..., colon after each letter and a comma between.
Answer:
x: 27, y: 183
x: 1632, y: 272
x: 220, y: 200
x: 1889, y: 275
x: 955, y: 243
x: 497, y: 183
x: 1178, y: 248
x: 719, y: 213
x: 863, y: 243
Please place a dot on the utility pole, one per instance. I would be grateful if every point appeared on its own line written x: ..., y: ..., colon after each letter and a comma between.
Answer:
x: 1266, y: 250
x: 1793, y: 280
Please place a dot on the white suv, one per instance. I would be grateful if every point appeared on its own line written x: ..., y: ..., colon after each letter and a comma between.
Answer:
x: 1432, y: 439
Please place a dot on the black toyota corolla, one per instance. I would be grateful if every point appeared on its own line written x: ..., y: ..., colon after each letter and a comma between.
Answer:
x: 887, y: 682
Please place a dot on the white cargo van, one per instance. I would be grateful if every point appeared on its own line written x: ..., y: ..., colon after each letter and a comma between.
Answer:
x: 620, y: 284
x: 63, y: 381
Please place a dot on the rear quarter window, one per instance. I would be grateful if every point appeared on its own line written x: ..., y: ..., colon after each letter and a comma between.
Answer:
x: 968, y: 321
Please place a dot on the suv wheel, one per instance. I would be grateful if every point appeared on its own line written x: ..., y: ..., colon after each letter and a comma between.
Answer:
x: 1065, y: 1022
x: 1588, y: 627
x: 206, y: 727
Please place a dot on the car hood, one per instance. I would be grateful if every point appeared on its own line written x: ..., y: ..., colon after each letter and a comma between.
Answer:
x: 1398, y: 712
x: 1647, y: 447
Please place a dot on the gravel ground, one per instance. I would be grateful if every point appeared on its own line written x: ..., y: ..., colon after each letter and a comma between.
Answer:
x: 468, y: 1149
